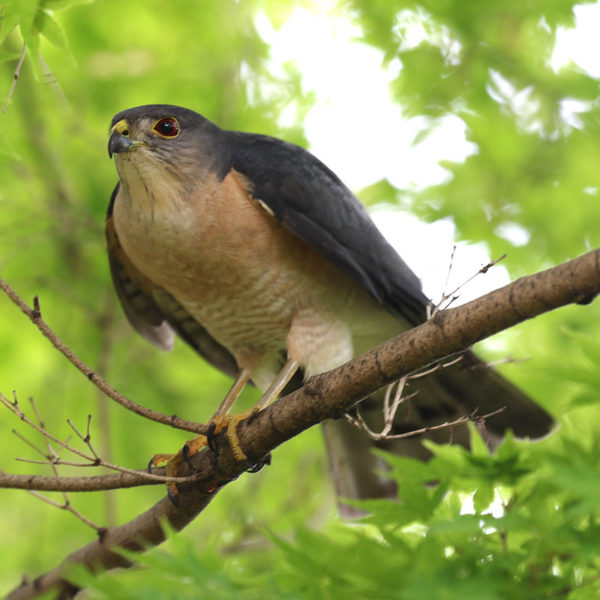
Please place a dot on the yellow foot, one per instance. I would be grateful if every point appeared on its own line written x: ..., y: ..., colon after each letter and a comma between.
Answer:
x: 230, y: 423
x: 193, y: 446
x: 172, y: 462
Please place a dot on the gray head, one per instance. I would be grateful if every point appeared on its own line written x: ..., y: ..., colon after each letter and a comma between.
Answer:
x: 162, y: 139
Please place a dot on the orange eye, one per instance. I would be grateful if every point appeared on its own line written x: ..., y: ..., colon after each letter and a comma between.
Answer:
x: 167, y: 127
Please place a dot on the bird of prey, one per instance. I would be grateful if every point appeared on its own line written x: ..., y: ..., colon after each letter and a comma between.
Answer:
x: 263, y: 261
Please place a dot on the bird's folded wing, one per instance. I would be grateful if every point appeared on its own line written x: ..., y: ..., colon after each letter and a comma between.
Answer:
x: 310, y: 201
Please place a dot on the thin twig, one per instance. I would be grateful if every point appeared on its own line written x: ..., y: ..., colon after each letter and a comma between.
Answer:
x: 360, y: 423
x: 450, y: 266
x: 390, y: 408
x: 52, y: 462
x: 15, y: 79
x: 389, y: 411
x: 31, y: 445
x: 93, y: 460
x: 34, y: 407
x: 35, y: 316
x: 450, y: 297
x: 66, y: 506
x: 426, y: 429
x: 87, y: 438
x: 435, y: 368
x: 52, y: 459
x: 507, y: 360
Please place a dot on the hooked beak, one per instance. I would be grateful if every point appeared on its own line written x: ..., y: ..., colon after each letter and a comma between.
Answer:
x: 119, y: 140
x: 118, y: 143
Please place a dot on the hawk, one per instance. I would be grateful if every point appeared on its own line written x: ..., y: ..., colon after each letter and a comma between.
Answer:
x: 256, y: 254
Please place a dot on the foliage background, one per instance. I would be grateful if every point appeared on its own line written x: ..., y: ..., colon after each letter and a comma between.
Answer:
x: 534, y: 168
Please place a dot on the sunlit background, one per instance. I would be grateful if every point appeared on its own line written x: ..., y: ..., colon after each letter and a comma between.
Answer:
x: 357, y: 129
x: 456, y: 122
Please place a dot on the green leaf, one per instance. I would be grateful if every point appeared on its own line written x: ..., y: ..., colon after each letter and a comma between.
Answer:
x: 27, y: 11
x: 463, y: 524
x: 381, y: 192
x: 52, y: 31
x: 483, y: 497
x: 9, y: 19
x: 7, y: 55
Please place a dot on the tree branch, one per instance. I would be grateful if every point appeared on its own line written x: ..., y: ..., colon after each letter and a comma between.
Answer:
x: 330, y: 395
x: 92, y: 483
x: 35, y: 315
x: 15, y: 78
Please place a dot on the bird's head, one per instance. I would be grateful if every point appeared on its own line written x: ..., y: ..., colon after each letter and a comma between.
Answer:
x: 160, y: 140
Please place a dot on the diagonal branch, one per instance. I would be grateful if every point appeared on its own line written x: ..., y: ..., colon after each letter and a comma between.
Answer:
x: 35, y: 315
x: 330, y: 395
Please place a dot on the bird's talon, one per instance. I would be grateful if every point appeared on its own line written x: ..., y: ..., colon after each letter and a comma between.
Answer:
x: 192, y: 447
x: 159, y: 460
x: 185, y: 454
x: 172, y: 494
x: 264, y: 462
x: 210, y: 435
x: 172, y: 463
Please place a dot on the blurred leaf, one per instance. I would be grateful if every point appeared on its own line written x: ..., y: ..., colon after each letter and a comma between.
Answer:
x: 9, y: 19
x: 483, y: 497
x: 6, y: 55
x: 382, y: 192
x: 63, y: 4
x: 52, y: 31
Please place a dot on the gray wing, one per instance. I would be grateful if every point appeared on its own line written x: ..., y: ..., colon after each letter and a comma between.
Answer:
x: 153, y: 312
x: 311, y: 202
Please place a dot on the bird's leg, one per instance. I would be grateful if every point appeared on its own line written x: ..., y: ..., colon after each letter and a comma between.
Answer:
x: 231, y: 422
x: 282, y: 379
x: 233, y: 394
x: 220, y: 420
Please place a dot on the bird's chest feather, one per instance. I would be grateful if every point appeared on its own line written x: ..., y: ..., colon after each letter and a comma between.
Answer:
x: 226, y: 260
